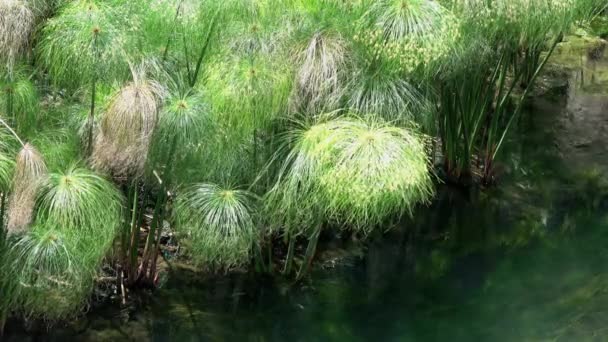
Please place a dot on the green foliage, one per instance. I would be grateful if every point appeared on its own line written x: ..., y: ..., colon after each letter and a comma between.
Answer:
x: 249, y: 83
x: 384, y: 92
x: 246, y: 96
x: 354, y: 172
x: 61, y: 147
x: 7, y: 164
x: 323, y: 66
x: 82, y: 43
x: 409, y: 36
x: 184, y: 117
x: 51, y: 267
x: 588, y: 10
x: 183, y: 137
x: 398, y: 19
x: 85, y: 206
x: 503, y: 46
x: 19, y: 99
x: 6, y: 172
x: 217, y: 224
x: 49, y: 280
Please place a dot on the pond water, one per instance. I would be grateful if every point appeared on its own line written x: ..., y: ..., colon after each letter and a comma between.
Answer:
x: 525, y: 261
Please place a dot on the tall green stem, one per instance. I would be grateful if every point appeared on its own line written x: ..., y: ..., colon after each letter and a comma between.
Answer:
x: 2, y: 212
x: 525, y: 93
x: 3, y: 312
x: 91, y: 119
x: 143, y: 268
x: 290, y: 253
x: 203, y: 50
x: 177, y: 12
x: 9, y: 104
x: 3, y: 315
x: 167, y: 176
x: 310, y: 253
x: 152, y: 247
x: 8, y: 127
x: 136, y: 216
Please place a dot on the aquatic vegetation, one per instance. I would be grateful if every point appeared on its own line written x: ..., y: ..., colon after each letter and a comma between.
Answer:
x: 19, y: 98
x: 409, y: 35
x: 184, y: 117
x: 16, y: 26
x: 385, y: 93
x: 51, y: 283
x: 29, y: 174
x: 126, y: 127
x: 321, y: 114
x: 82, y: 203
x: 321, y: 75
x: 60, y: 147
x: 356, y: 173
x: 83, y: 43
x: 218, y: 224
x: 54, y: 262
x: 502, y: 50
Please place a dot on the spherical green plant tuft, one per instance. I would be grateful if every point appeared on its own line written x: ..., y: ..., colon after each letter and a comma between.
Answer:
x: 409, y: 35
x: 60, y: 147
x: 184, y: 117
x: 376, y: 171
x: 386, y: 93
x: 354, y: 172
x: 181, y: 144
x: 83, y: 44
x: 85, y: 206
x: 217, y: 224
x: 245, y: 97
x: 54, y: 263
x: 50, y: 281
x: 247, y: 94
x: 402, y: 18
x: 255, y: 28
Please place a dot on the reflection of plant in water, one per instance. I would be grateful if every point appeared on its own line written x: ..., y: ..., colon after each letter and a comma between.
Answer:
x: 567, y: 301
x: 589, y: 188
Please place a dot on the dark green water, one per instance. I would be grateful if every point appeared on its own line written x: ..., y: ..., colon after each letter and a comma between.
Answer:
x: 525, y: 261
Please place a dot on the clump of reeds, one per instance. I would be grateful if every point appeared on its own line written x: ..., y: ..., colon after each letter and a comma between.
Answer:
x: 355, y: 172
x: 321, y: 74
x: 16, y: 25
x: 126, y: 129
x: 30, y: 173
x: 217, y: 224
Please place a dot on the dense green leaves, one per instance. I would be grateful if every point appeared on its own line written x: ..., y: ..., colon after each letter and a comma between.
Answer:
x: 237, y: 92
x: 354, y: 172
x: 217, y: 224
x: 83, y: 42
x: 52, y: 265
x: 49, y: 279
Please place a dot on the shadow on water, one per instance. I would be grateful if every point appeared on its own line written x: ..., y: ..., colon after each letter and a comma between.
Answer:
x: 525, y: 261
